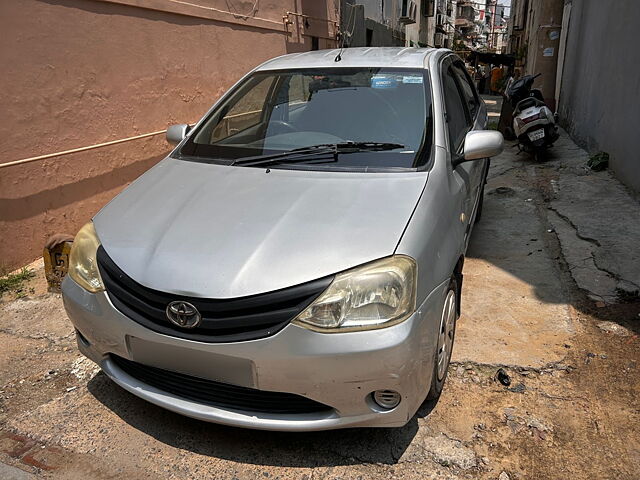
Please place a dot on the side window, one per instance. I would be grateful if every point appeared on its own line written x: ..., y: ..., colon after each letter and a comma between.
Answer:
x: 247, y: 112
x: 467, y: 89
x: 457, y: 116
x: 291, y: 98
x: 299, y: 89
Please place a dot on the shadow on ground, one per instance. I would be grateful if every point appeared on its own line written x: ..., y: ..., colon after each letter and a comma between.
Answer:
x: 516, y: 236
x: 284, y: 449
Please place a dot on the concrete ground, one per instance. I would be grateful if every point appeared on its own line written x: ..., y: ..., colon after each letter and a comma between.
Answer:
x: 548, y: 297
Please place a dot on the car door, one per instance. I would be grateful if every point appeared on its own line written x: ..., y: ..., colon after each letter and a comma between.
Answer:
x: 471, y: 99
x: 458, y: 124
x: 460, y: 118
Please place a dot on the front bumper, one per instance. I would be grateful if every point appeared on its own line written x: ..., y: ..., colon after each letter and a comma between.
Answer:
x: 339, y: 369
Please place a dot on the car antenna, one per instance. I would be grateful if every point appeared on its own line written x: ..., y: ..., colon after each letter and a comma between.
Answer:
x: 339, y: 55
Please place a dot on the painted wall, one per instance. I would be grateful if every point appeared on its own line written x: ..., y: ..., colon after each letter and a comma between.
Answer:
x: 601, y: 83
x: 83, y: 72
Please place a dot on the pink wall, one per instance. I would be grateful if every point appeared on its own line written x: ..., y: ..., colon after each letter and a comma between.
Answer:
x: 82, y: 72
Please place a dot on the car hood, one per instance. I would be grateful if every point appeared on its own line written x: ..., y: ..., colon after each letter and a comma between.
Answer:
x: 217, y: 231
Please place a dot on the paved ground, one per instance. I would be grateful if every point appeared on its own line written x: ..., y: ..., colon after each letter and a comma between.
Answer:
x: 548, y: 296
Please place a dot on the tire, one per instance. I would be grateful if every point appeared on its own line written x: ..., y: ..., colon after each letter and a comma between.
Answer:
x: 539, y: 154
x: 447, y: 328
x: 509, y: 134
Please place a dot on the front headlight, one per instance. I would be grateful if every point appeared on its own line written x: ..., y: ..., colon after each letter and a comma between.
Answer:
x: 83, y: 265
x: 376, y: 295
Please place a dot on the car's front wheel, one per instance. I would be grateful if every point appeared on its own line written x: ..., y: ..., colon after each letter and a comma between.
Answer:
x: 446, y: 335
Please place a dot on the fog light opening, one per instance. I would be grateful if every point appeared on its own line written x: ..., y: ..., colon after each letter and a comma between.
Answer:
x: 386, y: 399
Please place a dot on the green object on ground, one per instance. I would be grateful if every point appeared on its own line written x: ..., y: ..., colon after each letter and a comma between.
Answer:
x: 13, y: 281
x: 599, y: 161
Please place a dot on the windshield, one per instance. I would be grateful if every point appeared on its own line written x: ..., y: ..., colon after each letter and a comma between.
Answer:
x: 385, y: 113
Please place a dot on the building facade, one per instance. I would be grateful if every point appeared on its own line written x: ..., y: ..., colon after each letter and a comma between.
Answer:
x: 445, y: 24
x: 467, y: 30
x: 481, y: 25
x: 376, y: 23
x: 412, y: 23
x: 535, y: 28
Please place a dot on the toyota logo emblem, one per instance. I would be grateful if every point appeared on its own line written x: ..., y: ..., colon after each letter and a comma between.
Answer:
x: 183, y: 314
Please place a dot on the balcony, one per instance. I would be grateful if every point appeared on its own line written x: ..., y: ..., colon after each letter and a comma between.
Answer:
x: 408, y: 12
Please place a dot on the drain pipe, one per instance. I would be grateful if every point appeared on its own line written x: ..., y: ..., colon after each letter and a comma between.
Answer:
x: 81, y: 149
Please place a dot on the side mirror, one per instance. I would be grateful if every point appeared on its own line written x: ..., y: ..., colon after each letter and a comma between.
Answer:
x: 480, y: 144
x: 177, y: 133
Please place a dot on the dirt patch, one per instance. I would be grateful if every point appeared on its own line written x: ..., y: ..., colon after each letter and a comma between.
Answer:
x: 579, y: 420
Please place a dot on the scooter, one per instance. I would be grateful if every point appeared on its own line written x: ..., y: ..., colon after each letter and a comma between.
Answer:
x: 533, y: 122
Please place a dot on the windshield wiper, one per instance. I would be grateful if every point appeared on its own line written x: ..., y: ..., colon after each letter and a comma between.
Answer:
x: 360, y: 146
x: 299, y: 155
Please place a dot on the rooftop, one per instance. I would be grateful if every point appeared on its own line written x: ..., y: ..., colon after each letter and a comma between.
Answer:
x: 408, y: 57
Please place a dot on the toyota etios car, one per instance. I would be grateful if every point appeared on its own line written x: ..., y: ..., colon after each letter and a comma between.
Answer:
x: 295, y: 262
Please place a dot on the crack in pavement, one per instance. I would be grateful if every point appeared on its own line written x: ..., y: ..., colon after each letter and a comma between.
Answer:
x: 614, y: 275
x: 593, y: 264
x: 572, y: 225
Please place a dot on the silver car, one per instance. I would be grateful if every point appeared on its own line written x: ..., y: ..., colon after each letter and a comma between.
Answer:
x: 296, y: 262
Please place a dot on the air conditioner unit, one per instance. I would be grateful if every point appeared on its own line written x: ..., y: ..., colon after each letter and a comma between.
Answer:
x: 438, y: 40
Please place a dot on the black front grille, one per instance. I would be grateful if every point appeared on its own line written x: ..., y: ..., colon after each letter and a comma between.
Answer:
x: 228, y: 320
x: 217, y: 394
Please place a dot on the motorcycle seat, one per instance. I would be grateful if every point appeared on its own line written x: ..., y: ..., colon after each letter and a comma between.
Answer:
x: 528, y: 103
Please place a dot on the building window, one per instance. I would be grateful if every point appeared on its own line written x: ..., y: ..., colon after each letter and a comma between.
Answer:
x: 315, y: 43
x: 428, y: 8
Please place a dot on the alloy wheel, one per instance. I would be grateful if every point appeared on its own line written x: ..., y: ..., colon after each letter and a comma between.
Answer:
x: 446, y: 334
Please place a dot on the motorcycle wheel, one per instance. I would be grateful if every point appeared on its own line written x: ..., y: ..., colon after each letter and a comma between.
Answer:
x: 539, y: 155
x: 509, y: 134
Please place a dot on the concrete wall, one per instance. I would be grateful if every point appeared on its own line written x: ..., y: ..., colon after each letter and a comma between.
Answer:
x: 382, y: 36
x: 373, y: 9
x: 412, y: 30
x: 377, y: 16
x: 542, y: 37
x: 83, y: 72
x: 352, y: 24
x: 600, y: 84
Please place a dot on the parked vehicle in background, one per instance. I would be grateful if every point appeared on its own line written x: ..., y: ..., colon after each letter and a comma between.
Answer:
x: 296, y: 262
x: 533, y: 122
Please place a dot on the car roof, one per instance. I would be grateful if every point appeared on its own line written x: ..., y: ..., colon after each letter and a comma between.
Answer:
x: 407, y: 57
